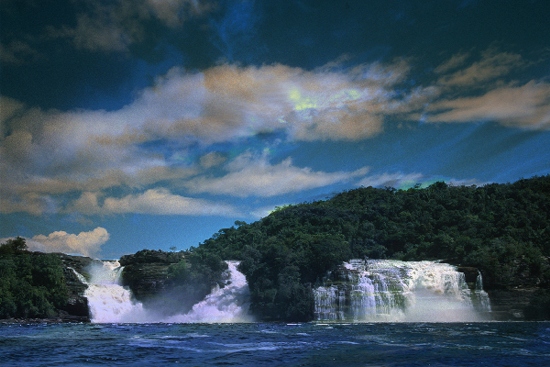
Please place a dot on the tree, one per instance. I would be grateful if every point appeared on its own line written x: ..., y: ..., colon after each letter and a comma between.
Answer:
x: 14, y: 246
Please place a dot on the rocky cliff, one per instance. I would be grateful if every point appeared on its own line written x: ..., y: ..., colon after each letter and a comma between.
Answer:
x: 515, y: 297
x: 171, y: 282
x: 146, y: 272
x: 76, y: 308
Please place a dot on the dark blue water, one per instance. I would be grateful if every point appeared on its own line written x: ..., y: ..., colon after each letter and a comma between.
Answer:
x: 404, y: 344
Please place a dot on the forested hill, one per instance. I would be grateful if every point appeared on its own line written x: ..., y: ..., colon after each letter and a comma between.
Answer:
x: 502, y: 229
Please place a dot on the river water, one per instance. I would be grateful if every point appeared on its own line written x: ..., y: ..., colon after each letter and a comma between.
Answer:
x: 274, y: 344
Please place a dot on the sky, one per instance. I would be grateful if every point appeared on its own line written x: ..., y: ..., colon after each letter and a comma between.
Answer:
x: 153, y: 124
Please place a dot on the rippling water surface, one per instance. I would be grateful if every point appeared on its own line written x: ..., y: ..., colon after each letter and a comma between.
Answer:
x: 399, y: 344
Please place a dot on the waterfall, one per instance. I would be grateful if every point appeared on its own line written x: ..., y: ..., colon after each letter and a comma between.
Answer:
x: 109, y: 302
x: 329, y: 303
x: 483, y: 303
x: 222, y: 305
x: 392, y: 290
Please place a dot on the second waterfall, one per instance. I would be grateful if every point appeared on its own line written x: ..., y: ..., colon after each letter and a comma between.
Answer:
x: 400, y: 291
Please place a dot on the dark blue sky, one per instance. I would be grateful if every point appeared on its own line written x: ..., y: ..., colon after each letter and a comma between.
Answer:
x: 153, y: 124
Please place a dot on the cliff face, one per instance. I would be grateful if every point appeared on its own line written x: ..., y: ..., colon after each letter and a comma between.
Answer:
x: 146, y: 272
x: 513, y: 294
x: 510, y: 304
x: 76, y: 308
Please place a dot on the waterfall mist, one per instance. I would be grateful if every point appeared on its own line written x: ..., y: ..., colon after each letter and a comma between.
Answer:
x: 109, y: 302
x: 363, y: 291
x: 401, y: 291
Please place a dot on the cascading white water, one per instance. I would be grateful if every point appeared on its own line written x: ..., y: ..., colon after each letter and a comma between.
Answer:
x: 392, y: 290
x: 223, y: 305
x: 483, y: 302
x: 109, y: 302
x: 329, y: 303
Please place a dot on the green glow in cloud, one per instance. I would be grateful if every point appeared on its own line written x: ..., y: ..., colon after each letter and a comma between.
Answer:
x: 301, y: 103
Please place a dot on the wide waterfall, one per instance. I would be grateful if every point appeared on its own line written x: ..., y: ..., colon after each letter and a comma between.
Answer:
x: 393, y: 291
x: 109, y: 302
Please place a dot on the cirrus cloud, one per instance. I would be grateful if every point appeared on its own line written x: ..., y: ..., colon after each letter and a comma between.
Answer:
x: 492, y: 64
x: 250, y: 176
x: 115, y: 25
x: 158, y: 201
x: 526, y: 106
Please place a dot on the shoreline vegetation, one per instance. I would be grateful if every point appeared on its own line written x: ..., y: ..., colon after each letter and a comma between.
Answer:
x: 500, y: 230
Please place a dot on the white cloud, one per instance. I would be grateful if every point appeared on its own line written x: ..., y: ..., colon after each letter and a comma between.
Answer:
x: 174, y: 12
x: 45, y: 154
x: 17, y: 52
x: 526, y: 106
x: 51, y: 152
x: 493, y: 64
x: 482, y: 91
x: 227, y: 102
x: 28, y: 202
x: 395, y: 180
x: 153, y: 201
x: 248, y: 176
x: 212, y: 159
x: 84, y: 243
x: 99, y: 33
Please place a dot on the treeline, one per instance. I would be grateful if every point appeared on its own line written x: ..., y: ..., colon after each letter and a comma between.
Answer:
x: 32, y: 285
x: 502, y: 229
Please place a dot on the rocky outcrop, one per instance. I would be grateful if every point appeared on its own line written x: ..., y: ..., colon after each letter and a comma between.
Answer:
x: 76, y: 308
x: 150, y: 257
x: 470, y: 273
x: 146, y: 272
x: 510, y: 304
x: 512, y: 295
x: 146, y: 280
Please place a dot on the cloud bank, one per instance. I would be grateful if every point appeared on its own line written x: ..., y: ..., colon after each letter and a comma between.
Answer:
x: 84, y: 243
x: 158, y: 151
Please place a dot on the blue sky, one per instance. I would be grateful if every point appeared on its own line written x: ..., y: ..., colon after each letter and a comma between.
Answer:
x: 153, y: 124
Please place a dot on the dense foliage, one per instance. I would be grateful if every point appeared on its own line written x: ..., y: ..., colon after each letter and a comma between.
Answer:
x: 502, y: 229
x: 172, y: 282
x: 31, y: 284
x: 193, y: 277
